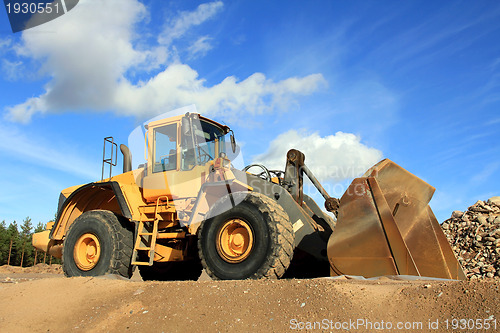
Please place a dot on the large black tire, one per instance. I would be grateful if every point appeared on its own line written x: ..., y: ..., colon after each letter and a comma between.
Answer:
x: 115, y: 240
x: 272, y: 233
x: 172, y: 271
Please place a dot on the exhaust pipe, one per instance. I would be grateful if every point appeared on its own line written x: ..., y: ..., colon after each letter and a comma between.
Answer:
x: 127, y: 158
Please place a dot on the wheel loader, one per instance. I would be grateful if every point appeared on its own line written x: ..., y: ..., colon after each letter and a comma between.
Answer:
x: 187, y: 208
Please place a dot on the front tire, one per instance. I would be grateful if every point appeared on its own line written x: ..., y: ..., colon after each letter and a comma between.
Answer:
x: 252, y: 240
x: 98, y: 243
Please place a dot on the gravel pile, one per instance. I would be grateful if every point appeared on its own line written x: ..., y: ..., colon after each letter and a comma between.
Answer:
x: 475, y: 238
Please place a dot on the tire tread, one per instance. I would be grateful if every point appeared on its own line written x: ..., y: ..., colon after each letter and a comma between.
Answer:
x: 281, y: 232
x: 119, y: 230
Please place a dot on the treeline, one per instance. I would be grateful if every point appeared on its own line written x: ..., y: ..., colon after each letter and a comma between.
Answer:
x: 16, y: 240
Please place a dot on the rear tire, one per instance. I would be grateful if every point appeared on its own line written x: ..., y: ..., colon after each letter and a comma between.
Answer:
x: 172, y: 271
x: 251, y: 240
x: 98, y: 243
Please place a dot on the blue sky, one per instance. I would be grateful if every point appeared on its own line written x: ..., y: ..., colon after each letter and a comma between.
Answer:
x: 346, y: 82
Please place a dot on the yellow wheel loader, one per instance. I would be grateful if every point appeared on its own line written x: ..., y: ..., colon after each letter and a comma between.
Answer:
x: 187, y: 209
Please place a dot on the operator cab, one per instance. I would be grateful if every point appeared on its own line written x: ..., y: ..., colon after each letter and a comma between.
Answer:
x: 179, y: 151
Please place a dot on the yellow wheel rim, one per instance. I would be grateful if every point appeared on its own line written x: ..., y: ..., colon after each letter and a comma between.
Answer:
x: 87, y: 251
x: 234, y: 241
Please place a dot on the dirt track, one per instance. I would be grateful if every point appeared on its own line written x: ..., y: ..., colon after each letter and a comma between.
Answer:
x: 46, y: 301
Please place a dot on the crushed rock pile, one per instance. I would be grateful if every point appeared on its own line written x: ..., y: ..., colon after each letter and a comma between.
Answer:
x: 474, y: 236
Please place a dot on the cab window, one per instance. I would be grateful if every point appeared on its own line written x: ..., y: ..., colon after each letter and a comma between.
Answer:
x: 206, y: 136
x: 165, y: 143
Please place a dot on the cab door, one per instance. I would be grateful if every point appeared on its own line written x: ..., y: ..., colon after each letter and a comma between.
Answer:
x: 162, y: 150
x: 175, y: 167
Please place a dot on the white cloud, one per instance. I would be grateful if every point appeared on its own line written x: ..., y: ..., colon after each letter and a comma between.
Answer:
x: 200, y: 47
x: 185, y: 20
x: 86, y: 55
x: 179, y: 85
x: 331, y: 158
x: 23, y: 112
x: 90, y: 55
x: 11, y: 69
x: 5, y: 43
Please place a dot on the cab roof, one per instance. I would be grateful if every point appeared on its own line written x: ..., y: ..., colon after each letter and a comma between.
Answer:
x: 178, y: 118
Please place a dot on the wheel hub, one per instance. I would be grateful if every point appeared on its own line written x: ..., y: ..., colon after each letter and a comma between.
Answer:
x: 234, y: 241
x: 87, y: 251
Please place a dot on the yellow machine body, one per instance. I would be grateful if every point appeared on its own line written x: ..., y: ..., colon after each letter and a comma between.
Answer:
x: 384, y: 224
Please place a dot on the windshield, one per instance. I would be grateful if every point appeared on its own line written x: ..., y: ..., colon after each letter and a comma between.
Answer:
x: 209, y: 143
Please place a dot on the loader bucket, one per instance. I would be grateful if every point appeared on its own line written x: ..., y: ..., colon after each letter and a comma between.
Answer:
x: 386, y: 227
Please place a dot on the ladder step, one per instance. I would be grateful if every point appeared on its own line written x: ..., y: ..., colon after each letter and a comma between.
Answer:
x: 161, y: 210
x: 167, y: 235
x: 142, y: 243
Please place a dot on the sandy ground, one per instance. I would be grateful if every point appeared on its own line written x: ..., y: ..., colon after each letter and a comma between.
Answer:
x: 41, y: 299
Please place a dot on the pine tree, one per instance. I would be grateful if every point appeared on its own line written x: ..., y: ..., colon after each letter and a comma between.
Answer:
x: 13, y: 235
x: 25, y: 240
x: 21, y: 238
x: 39, y: 227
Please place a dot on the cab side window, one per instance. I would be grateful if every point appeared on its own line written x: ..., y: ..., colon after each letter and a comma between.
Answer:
x: 188, y: 156
x: 165, y: 155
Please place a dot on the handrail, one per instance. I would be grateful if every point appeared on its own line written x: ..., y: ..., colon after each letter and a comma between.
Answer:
x: 111, y: 161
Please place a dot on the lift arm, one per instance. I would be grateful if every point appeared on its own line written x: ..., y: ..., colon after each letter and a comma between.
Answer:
x: 294, y: 180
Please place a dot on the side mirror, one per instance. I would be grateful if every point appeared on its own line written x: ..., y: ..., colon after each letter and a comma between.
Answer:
x: 186, y: 128
x: 233, y: 142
